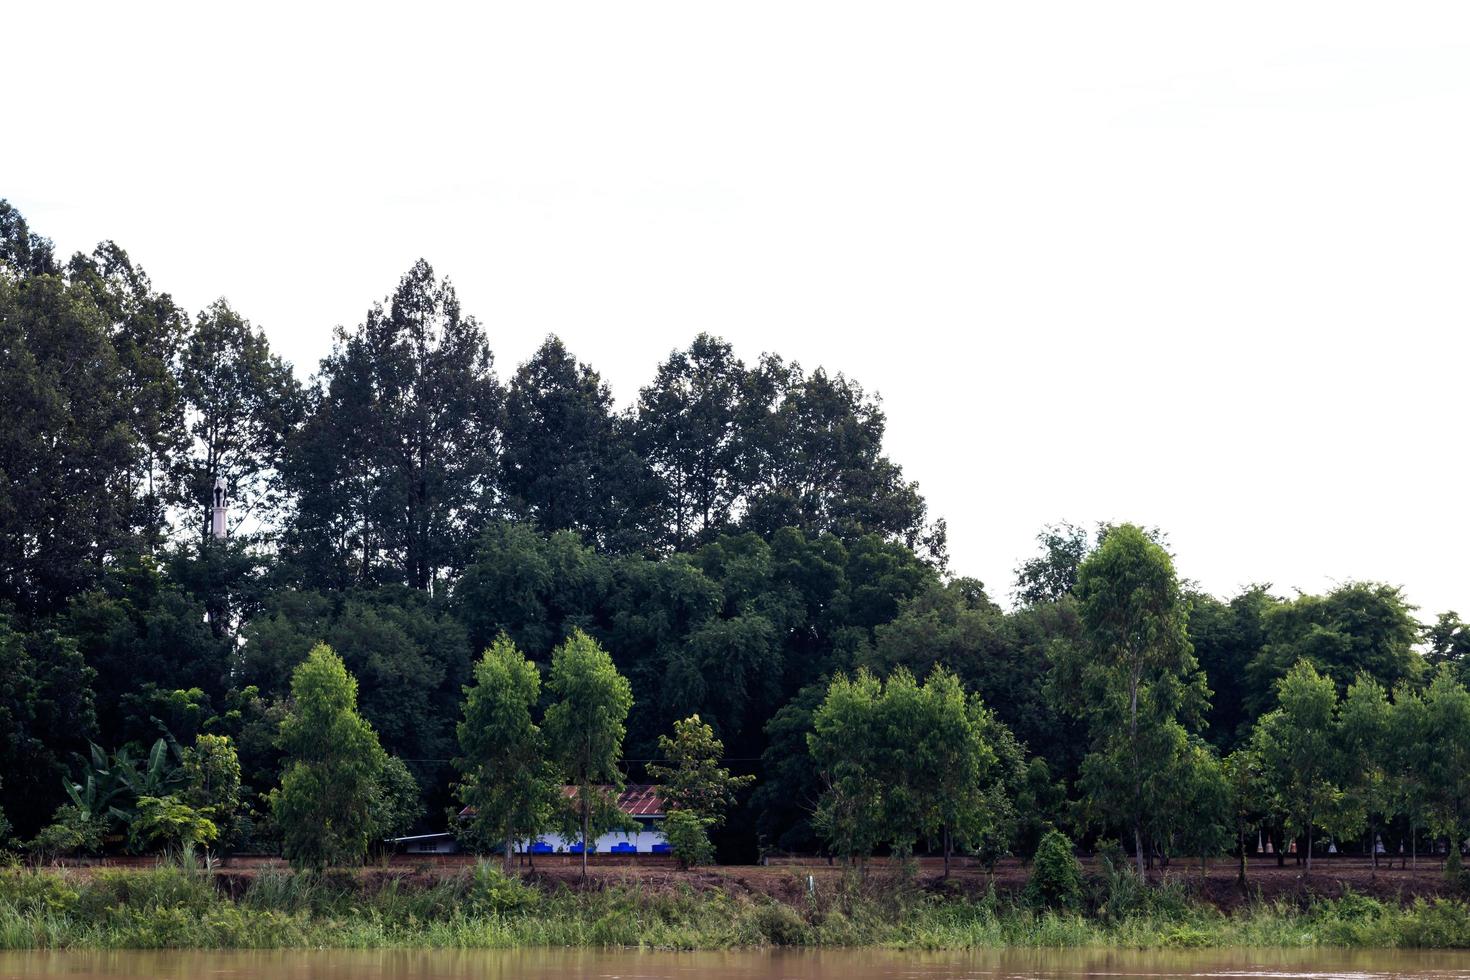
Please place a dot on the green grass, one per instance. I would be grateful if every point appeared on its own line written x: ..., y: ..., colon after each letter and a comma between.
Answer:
x: 177, y: 907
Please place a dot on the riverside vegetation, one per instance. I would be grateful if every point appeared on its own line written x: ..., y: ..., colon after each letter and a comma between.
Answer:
x: 177, y: 907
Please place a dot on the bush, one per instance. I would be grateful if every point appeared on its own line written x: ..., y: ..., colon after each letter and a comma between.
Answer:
x: 781, y: 925
x: 490, y: 890
x: 37, y: 892
x: 688, y: 835
x: 1056, y: 876
x: 72, y: 831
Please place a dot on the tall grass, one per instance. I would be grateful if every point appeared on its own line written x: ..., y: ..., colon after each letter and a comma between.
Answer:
x: 182, y: 907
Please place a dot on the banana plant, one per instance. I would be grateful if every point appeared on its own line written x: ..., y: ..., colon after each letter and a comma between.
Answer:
x: 158, y: 775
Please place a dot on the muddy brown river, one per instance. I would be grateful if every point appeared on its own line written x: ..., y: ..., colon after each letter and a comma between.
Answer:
x: 556, y: 964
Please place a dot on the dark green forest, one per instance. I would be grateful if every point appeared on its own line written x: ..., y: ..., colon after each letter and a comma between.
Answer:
x: 737, y: 541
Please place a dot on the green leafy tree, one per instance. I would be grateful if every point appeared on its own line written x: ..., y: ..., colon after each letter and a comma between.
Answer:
x: 1297, y: 747
x: 1052, y: 575
x: 1447, y: 641
x: 1132, y: 679
x: 505, y: 774
x: 1361, y: 627
x: 242, y: 403
x: 1412, y: 757
x: 688, y: 836
x: 1447, y: 725
x: 67, y: 443
x: 537, y: 588
x: 961, y: 801
x: 1226, y: 637
x: 587, y: 722
x: 410, y: 658
x: 567, y: 460
x: 1247, y: 793
x: 168, y: 821
x: 395, y: 805
x: 46, y: 715
x: 212, y: 784
x: 820, y: 465
x: 1364, y: 731
x: 850, y: 814
x: 324, y: 806
x: 1195, y: 816
x: 393, y: 468
x: 691, y: 777
x: 73, y: 830
x: 695, y: 425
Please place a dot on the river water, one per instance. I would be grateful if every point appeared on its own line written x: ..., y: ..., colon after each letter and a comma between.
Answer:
x: 557, y: 964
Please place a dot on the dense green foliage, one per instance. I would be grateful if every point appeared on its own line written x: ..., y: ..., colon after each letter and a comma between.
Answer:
x: 736, y: 545
x: 508, y: 778
x: 337, y: 792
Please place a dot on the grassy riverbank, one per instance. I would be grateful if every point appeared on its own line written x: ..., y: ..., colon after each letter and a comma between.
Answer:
x: 176, y: 907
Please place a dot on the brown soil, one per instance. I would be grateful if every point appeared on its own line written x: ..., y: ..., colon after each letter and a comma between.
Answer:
x: 788, y: 881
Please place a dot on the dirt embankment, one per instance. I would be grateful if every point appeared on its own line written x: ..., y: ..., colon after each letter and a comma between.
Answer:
x: 790, y: 881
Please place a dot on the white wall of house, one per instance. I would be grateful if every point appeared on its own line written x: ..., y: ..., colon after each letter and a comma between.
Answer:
x: 643, y: 840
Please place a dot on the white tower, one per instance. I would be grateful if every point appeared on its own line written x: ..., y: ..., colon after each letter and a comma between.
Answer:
x: 221, y: 510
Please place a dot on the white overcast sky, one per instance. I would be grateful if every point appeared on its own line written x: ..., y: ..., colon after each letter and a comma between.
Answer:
x: 1196, y: 265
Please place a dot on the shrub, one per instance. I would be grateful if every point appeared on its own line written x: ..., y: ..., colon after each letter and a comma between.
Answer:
x: 491, y: 890
x: 37, y: 892
x: 1056, y: 877
x: 688, y: 835
x: 72, y: 831
x: 780, y: 925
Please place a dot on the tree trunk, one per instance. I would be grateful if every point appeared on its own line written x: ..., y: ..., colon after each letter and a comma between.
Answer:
x: 948, y: 844
x: 586, y: 827
x: 1309, y: 847
x: 509, y: 855
x: 1240, y: 836
x: 1138, y: 848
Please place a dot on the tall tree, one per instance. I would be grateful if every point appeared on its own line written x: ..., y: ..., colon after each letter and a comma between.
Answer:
x: 842, y: 745
x: 1447, y: 641
x: 955, y: 753
x: 694, y: 426
x: 1297, y: 747
x: 242, y: 403
x: 568, y: 461
x: 46, y: 716
x: 330, y: 786
x: 21, y: 249
x: 587, y: 722
x: 1226, y: 637
x: 1132, y: 680
x: 1357, y: 627
x: 505, y: 773
x: 1049, y: 576
x: 820, y: 466
x: 1447, y: 724
x: 146, y: 330
x: 67, y: 447
x: 394, y: 467
x: 1364, y: 730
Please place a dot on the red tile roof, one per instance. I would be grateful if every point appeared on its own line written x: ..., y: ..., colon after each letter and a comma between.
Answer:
x: 636, y: 799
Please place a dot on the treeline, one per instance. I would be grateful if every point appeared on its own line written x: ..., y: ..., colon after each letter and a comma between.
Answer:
x: 735, y: 541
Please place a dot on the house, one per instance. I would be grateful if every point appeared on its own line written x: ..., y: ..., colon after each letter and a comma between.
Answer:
x: 440, y: 843
x: 638, y: 801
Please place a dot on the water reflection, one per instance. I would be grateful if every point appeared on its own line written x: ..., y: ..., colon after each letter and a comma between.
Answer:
x: 557, y: 964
